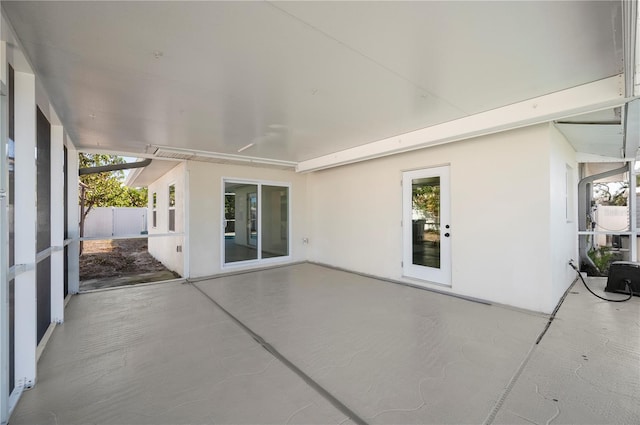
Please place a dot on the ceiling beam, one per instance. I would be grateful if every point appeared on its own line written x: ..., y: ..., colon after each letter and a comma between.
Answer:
x: 198, y: 155
x: 598, y: 95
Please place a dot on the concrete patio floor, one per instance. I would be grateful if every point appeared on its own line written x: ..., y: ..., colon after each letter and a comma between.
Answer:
x: 345, y: 346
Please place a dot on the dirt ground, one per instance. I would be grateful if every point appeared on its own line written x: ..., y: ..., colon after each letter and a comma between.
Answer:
x: 117, y: 258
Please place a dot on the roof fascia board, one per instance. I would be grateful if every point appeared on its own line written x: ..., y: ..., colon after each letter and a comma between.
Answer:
x: 582, y: 157
x: 590, y: 97
x: 207, y: 156
x: 132, y: 176
x: 117, y: 152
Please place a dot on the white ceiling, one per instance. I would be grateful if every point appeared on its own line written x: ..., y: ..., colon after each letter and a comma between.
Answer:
x: 301, y: 79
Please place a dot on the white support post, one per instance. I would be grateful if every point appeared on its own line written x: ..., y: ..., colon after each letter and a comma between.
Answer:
x: 186, y: 205
x: 57, y: 224
x: 25, y: 228
x: 73, y: 220
x: 4, y: 69
x: 4, y: 254
x: 633, y: 227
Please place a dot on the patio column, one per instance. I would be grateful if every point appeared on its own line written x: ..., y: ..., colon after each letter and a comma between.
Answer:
x: 57, y: 224
x: 25, y: 228
x: 4, y: 226
x: 73, y: 220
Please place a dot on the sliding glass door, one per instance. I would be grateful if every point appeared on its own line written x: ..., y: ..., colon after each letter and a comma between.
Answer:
x: 256, y: 221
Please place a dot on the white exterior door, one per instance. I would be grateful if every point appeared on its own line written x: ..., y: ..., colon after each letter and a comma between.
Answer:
x: 426, y: 225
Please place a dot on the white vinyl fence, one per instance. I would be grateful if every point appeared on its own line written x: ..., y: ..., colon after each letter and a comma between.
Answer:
x: 115, y: 221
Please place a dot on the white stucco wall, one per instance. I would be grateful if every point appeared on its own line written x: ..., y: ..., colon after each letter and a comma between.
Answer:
x: 500, y: 215
x: 563, y: 229
x: 205, y: 212
x: 165, y: 248
x: 511, y: 239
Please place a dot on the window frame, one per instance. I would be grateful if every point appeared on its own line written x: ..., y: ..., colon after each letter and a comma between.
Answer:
x: 154, y: 209
x: 259, y: 260
x: 569, y: 194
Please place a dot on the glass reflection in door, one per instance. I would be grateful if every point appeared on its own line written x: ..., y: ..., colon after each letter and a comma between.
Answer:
x: 274, y: 231
x: 252, y: 222
x: 425, y: 209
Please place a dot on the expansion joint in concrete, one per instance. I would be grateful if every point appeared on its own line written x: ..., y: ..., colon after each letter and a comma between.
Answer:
x: 286, y: 362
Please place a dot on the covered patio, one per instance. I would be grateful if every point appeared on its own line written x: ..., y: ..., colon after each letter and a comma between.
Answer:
x: 306, y: 343
x: 410, y: 188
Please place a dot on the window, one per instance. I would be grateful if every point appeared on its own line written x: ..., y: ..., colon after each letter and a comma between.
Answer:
x: 154, y: 215
x: 569, y: 194
x: 172, y: 208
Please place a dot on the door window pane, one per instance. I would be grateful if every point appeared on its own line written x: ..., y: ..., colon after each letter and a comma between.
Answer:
x: 252, y: 212
x: 241, y: 206
x: 275, y: 221
x: 425, y: 204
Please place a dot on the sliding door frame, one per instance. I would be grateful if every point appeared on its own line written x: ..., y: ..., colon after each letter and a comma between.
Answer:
x: 259, y: 260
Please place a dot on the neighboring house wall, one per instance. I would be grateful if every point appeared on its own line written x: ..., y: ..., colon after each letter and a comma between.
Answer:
x: 169, y: 250
x: 205, y: 209
x: 115, y: 221
x: 500, y: 216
